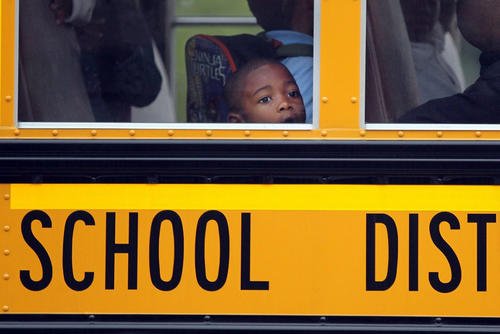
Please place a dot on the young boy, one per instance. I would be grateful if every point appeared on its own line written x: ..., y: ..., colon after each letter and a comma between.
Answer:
x: 264, y: 91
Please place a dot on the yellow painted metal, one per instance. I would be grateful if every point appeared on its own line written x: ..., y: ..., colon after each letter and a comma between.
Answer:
x: 253, y: 197
x: 308, y: 242
x: 339, y: 93
x: 340, y: 65
x: 7, y: 56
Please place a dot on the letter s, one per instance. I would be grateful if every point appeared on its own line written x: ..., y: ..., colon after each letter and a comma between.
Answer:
x: 38, y: 248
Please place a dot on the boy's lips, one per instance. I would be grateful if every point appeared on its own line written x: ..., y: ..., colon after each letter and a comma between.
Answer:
x: 291, y: 119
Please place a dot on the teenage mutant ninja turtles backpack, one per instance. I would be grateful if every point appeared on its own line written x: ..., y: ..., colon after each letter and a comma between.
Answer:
x: 211, y: 60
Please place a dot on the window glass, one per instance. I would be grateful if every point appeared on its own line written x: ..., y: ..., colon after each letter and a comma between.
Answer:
x: 161, y: 61
x: 211, y: 8
x: 424, y: 59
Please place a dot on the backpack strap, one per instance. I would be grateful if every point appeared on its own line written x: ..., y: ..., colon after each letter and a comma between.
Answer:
x: 289, y: 50
x: 295, y: 50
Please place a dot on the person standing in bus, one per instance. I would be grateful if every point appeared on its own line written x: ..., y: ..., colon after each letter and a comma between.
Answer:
x: 479, y: 103
x: 51, y: 84
x: 290, y: 22
x: 428, y: 33
x: 117, y: 59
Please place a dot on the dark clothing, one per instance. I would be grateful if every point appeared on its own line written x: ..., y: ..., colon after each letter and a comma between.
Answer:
x: 117, y: 61
x: 480, y: 103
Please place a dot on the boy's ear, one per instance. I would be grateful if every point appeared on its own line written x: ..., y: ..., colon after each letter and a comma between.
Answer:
x: 233, y: 117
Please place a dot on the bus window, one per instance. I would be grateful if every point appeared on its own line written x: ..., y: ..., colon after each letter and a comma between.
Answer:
x: 438, y: 48
x: 162, y: 62
x: 94, y: 59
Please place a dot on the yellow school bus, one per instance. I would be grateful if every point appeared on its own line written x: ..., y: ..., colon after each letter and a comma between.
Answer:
x: 350, y: 222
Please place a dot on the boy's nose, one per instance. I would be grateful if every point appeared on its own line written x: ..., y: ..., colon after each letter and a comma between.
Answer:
x: 284, y: 105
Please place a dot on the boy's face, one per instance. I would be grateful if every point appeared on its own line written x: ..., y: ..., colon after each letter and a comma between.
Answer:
x: 270, y: 95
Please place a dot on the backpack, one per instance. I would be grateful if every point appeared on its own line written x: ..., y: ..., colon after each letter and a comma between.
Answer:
x: 211, y: 60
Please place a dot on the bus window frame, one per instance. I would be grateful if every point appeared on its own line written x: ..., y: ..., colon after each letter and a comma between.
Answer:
x: 338, y: 111
x: 433, y: 130
x: 8, y: 63
x: 37, y: 126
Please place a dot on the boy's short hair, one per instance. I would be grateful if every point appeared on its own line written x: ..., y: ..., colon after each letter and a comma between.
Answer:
x: 233, y: 89
x: 273, y: 14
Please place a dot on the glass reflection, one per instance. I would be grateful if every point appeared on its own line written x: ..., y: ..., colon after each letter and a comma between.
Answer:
x: 157, y: 61
x: 433, y: 61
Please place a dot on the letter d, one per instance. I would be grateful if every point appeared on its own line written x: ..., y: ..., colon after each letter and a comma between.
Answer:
x: 392, y: 236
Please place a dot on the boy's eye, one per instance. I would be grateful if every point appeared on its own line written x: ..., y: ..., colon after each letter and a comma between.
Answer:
x: 265, y: 99
x: 294, y: 93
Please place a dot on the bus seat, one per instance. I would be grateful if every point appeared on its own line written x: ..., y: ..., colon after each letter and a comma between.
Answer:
x: 206, y: 71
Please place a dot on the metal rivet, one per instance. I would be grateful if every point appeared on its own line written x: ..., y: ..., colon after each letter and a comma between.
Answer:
x: 478, y: 134
x: 93, y: 133
x: 362, y: 133
x: 6, y: 228
x: 5, y: 308
x: 6, y: 252
x: 131, y: 133
x: 285, y: 133
x: 401, y: 134
x: 209, y: 133
x: 354, y: 99
x: 324, y: 133
x: 170, y: 133
x: 55, y: 133
x: 6, y: 276
x: 324, y: 99
x: 6, y: 197
x: 439, y: 134
x: 17, y: 132
x: 8, y: 98
x: 247, y: 133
